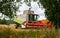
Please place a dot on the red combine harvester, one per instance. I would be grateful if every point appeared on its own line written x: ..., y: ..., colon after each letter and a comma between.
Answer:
x: 34, y: 23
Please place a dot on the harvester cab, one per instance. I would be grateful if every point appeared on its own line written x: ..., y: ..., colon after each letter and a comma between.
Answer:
x: 32, y: 21
x: 32, y: 17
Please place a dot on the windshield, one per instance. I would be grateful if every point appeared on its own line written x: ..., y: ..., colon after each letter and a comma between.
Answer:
x: 35, y: 18
x: 32, y: 17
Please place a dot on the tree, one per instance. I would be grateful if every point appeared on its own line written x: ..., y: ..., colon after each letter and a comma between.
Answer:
x: 52, y: 10
x: 5, y: 8
x: 9, y: 8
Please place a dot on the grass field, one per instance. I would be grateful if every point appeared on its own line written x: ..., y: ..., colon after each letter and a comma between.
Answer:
x: 11, y: 32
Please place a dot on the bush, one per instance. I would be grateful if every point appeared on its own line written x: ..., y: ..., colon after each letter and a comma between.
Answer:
x: 3, y: 21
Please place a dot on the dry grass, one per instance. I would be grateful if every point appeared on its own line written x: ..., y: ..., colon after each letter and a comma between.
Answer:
x: 28, y: 33
x: 2, y: 27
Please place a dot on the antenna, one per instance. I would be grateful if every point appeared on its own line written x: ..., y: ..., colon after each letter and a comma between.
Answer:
x: 29, y: 9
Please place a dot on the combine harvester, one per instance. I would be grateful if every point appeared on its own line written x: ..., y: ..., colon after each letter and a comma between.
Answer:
x: 32, y: 22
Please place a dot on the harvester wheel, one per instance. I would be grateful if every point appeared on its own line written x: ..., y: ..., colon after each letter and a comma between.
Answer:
x: 17, y: 25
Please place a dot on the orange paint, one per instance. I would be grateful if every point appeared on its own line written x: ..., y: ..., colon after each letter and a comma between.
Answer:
x: 40, y: 23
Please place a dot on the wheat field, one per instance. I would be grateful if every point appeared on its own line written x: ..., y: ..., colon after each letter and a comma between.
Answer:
x: 9, y: 31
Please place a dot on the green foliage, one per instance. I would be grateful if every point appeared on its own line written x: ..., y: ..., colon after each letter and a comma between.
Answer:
x: 52, y: 10
x: 28, y: 2
x: 18, y: 0
x: 35, y: 0
x: 3, y: 21
x: 7, y: 8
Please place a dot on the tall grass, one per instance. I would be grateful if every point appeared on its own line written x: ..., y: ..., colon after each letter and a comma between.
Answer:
x: 32, y: 33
